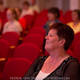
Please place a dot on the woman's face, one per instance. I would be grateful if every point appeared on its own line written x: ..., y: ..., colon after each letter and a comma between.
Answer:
x: 51, y: 17
x: 75, y: 16
x: 25, y: 7
x: 10, y: 15
x: 52, y: 41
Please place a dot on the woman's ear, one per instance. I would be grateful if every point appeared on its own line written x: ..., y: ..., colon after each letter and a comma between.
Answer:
x: 62, y: 42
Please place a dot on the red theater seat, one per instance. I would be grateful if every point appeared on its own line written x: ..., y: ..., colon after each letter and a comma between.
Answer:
x: 3, y: 17
x: 27, y: 50
x: 68, y: 16
x: 34, y: 38
x: 75, y: 47
x: 61, y: 17
x: 23, y: 23
x: 35, y: 15
x: 11, y: 37
x: 4, y: 48
x: 29, y: 21
x: 15, y: 68
x: 41, y: 19
x: 38, y: 30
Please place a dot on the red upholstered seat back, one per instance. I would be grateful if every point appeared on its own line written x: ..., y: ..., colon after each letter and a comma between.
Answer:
x: 68, y: 16
x: 11, y: 37
x: 35, y: 38
x: 4, y: 48
x: 27, y: 50
x: 38, y: 30
x: 75, y: 47
x: 15, y: 68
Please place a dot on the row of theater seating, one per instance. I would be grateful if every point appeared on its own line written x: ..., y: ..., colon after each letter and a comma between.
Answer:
x: 23, y: 55
x: 35, y: 35
x: 15, y: 69
x: 64, y: 17
x: 40, y: 19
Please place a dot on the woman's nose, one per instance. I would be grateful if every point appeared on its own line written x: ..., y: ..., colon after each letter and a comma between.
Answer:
x: 47, y: 37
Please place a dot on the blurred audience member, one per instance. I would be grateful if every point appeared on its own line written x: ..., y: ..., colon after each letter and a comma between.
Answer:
x: 53, y: 15
x: 22, y: 20
x: 34, y: 6
x: 75, y: 24
x: 26, y: 9
x: 18, y: 11
x: 12, y: 25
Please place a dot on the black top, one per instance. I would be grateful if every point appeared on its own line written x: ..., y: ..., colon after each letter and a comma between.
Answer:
x: 68, y: 70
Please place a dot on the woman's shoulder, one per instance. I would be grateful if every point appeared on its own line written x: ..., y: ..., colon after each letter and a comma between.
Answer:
x: 16, y: 22
x: 72, y: 69
x: 69, y: 65
x: 6, y: 24
x: 70, y: 58
x: 71, y: 61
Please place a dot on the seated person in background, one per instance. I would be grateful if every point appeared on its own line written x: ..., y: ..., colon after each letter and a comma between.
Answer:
x: 34, y: 6
x: 75, y: 24
x: 58, y: 65
x: 53, y: 15
x: 21, y: 20
x: 12, y: 25
x: 26, y: 9
x: 18, y: 11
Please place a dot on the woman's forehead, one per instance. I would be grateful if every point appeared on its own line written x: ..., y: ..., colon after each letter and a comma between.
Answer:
x: 53, y: 31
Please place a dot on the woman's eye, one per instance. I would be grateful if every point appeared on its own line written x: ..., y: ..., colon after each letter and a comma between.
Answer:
x: 51, y: 35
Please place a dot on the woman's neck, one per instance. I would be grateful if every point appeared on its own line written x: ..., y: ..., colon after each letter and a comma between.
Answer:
x: 60, y: 53
x: 11, y: 21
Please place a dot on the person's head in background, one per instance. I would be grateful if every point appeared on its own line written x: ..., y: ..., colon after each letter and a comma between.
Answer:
x: 26, y: 5
x: 32, y: 2
x: 59, y: 38
x: 18, y: 11
x: 1, y: 6
x: 11, y: 14
x: 76, y: 16
x: 53, y: 14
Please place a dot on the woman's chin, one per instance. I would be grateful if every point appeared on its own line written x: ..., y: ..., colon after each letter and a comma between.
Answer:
x: 47, y: 48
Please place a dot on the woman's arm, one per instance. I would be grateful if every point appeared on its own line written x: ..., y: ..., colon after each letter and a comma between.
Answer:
x: 5, y: 28
x: 72, y: 71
